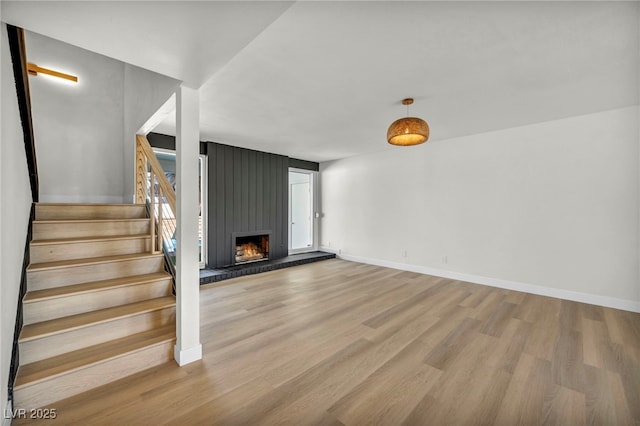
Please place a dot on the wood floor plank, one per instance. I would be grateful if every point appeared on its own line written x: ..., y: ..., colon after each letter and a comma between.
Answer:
x: 441, y: 356
x: 478, y: 387
x: 595, y: 340
x: 568, y: 363
x: 566, y: 407
x: 496, y: 323
x: 313, y: 355
x: 510, y: 346
x: 398, y: 309
x: 623, y: 405
x: 478, y: 294
x: 405, y: 379
x: 602, y: 390
x: 543, y: 338
x: 525, y: 396
x: 342, y: 343
x: 592, y: 312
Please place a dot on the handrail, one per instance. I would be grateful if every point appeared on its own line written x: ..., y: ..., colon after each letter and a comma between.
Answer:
x: 18, y: 51
x: 154, y: 189
x: 19, y: 60
x: 166, y: 187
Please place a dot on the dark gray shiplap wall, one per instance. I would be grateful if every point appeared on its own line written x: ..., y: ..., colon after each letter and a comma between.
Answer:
x: 247, y: 192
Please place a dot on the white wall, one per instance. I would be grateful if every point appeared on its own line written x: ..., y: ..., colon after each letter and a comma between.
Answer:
x: 85, y: 132
x: 78, y: 127
x: 550, y: 208
x: 144, y: 92
x: 15, y: 196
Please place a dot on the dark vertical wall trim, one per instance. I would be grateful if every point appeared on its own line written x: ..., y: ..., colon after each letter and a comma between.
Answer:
x: 226, y: 198
x: 266, y: 166
x: 304, y: 164
x: 244, y: 212
x: 280, y: 171
x: 237, y: 191
x: 247, y: 192
x: 158, y: 140
x: 15, y: 353
x: 252, y: 190
x: 19, y: 59
x: 259, y: 190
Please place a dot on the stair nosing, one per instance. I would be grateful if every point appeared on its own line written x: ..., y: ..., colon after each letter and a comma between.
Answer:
x: 73, y: 263
x: 138, y: 205
x: 81, y: 325
x: 159, y: 340
x: 63, y: 221
x: 76, y: 240
x: 32, y: 296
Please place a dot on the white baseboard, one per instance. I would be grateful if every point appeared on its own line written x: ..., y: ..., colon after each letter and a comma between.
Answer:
x: 576, y: 296
x: 187, y: 356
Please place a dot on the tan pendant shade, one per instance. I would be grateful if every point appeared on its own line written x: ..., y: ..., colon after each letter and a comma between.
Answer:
x: 409, y: 130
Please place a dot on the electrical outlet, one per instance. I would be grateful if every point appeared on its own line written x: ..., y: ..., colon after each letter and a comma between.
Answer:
x: 445, y: 259
x: 339, y: 251
x: 404, y: 253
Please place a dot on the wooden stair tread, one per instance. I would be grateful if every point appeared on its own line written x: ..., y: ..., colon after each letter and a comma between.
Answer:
x: 73, y: 322
x: 81, y: 221
x: 38, y: 371
x: 89, y: 261
x: 55, y: 292
x: 66, y: 355
x: 89, y: 239
x: 63, y: 221
x: 91, y: 204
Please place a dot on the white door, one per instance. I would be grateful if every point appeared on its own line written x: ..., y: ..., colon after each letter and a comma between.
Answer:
x: 300, y: 212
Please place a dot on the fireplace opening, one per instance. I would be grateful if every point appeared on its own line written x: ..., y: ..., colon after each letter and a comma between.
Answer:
x: 251, y: 248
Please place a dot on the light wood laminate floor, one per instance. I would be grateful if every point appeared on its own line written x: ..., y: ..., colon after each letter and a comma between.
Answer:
x: 337, y: 342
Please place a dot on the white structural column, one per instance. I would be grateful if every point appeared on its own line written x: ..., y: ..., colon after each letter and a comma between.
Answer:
x: 188, y: 347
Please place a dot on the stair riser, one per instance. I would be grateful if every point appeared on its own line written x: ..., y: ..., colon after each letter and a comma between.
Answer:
x: 86, y: 302
x: 46, y: 347
x: 57, y: 388
x: 96, y: 211
x: 54, y: 252
x: 50, y: 231
x: 49, y: 278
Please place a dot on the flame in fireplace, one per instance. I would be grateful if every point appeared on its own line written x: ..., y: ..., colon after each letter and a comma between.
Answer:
x: 250, y: 249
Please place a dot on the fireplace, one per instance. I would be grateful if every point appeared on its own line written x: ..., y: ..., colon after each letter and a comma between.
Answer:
x: 250, y: 246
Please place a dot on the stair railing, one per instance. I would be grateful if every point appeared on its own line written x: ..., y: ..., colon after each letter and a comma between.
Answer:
x: 154, y: 189
x: 18, y: 52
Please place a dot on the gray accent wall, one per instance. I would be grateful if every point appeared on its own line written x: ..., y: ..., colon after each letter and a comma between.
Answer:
x: 248, y: 191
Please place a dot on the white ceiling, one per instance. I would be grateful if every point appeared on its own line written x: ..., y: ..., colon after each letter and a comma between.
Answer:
x: 323, y: 80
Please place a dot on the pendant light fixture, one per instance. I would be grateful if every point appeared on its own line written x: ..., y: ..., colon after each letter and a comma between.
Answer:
x: 409, y: 130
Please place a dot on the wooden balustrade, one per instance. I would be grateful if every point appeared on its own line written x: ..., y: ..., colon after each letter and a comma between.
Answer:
x: 152, y: 186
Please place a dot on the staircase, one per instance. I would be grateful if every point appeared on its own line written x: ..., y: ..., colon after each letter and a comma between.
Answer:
x: 99, y: 305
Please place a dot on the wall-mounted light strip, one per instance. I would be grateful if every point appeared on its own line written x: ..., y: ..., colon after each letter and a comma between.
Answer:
x: 33, y: 69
